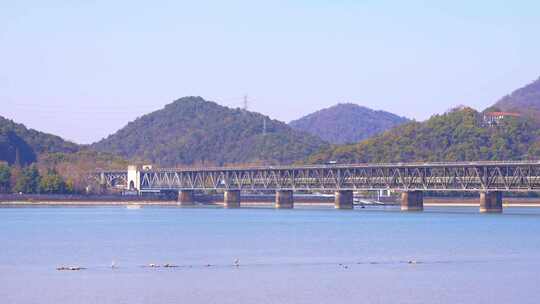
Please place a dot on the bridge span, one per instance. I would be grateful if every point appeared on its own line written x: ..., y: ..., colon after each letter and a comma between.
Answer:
x: 491, y: 179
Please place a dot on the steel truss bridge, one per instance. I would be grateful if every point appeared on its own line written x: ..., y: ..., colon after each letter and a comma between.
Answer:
x: 448, y: 176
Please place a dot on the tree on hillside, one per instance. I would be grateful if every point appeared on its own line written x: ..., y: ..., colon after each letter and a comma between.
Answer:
x: 28, y: 181
x: 5, y: 179
x: 15, y: 173
x: 74, y: 167
x: 52, y: 182
x: 534, y: 151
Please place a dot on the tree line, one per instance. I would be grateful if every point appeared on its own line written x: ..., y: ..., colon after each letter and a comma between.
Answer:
x: 29, y: 180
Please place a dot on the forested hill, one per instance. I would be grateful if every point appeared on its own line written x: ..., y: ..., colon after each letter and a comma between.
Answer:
x: 194, y: 131
x: 347, y: 123
x: 458, y: 135
x: 525, y: 100
x: 19, y: 142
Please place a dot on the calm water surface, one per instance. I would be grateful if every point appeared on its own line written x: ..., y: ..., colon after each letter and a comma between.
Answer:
x: 286, y: 256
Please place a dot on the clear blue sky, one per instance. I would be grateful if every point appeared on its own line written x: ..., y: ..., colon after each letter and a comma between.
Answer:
x: 83, y: 69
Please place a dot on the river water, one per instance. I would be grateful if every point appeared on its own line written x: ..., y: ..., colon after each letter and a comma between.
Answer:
x: 305, y: 255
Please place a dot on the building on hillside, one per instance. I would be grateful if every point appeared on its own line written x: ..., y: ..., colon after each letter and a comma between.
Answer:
x: 493, y: 118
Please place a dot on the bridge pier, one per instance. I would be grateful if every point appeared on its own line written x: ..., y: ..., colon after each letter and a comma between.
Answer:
x: 231, y: 199
x: 284, y: 199
x: 412, y: 201
x: 491, y: 202
x: 186, y: 198
x: 343, y: 199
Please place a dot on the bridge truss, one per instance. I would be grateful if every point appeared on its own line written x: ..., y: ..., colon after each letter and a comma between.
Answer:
x: 112, y: 178
x: 459, y: 176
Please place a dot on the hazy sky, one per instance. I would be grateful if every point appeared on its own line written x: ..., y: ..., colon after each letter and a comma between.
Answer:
x: 83, y: 69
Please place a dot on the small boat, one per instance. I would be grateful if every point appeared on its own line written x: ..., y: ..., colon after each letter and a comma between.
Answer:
x: 134, y: 206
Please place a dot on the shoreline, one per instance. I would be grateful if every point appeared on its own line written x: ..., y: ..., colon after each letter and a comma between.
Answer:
x: 427, y: 203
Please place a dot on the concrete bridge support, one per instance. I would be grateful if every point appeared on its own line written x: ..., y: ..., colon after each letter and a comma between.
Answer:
x: 343, y: 199
x: 284, y: 199
x: 231, y: 199
x: 412, y: 201
x: 491, y: 202
x: 186, y: 198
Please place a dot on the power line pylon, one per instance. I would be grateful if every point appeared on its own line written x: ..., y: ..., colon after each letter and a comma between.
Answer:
x: 246, y: 102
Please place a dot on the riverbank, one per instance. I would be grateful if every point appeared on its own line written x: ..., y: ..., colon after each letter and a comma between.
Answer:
x: 217, y: 199
x: 428, y: 202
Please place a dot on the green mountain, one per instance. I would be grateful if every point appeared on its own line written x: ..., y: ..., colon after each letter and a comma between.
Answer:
x: 347, y: 123
x: 194, y: 131
x: 50, y: 153
x: 18, y: 143
x: 459, y: 135
x: 525, y: 100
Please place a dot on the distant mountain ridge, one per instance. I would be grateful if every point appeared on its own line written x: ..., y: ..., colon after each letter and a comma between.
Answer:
x: 525, y: 100
x: 192, y: 130
x: 458, y: 135
x: 19, y: 143
x: 347, y: 123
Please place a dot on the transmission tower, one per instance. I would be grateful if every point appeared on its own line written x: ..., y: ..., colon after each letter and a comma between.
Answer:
x: 246, y: 102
